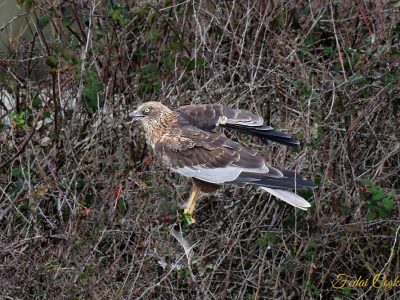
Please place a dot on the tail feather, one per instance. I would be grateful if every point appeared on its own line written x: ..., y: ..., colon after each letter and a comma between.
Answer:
x: 289, y: 181
x: 289, y: 197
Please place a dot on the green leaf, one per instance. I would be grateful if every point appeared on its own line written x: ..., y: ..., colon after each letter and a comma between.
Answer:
x: 301, y: 87
x: 16, y: 172
x: 90, y: 93
x: 268, y: 239
x: 122, y: 205
x: 328, y: 51
x: 42, y: 293
x: 185, y: 60
x: 12, y: 115
x: 74, y: 43
x: 176, y: 45
x: 51, y: 61
x: 150, y: 79
x: 377, y: 194
x: 388, y: 203
x: 43, y: 21
x: 191, y: 65
x: 76, y: 60
x: 15, y: 189
x: 19, y: 119
x: 170, y: 62
x: 184, y: 272
x: 389, y: 78
x: 36, y: 102
x: 117, y: 14
x: 347, y: 291
x: 311, y: 39
x: 200, y: 62
x: 370, y: 206
x: 26, y: 4
x: 383, y: 213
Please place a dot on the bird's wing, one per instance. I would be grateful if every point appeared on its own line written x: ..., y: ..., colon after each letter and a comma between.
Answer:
x: 208, y: 156
x: 216, y: 159
x: 209, y: 116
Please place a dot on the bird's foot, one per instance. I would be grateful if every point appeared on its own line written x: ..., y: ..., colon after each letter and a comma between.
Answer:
x: 187, y: 217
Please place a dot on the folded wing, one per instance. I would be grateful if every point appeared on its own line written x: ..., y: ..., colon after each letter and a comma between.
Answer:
x: 209, y: 116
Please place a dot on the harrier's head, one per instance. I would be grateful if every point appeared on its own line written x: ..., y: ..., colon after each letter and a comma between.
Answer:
x: 149, y: 111
x: 155, y: 118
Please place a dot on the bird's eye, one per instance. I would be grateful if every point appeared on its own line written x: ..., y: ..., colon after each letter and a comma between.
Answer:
x: 146, y: 111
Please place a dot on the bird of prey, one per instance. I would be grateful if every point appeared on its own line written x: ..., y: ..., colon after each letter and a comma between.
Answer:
x: 185, y: 142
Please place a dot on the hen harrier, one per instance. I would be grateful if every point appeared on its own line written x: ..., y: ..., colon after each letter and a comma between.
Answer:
x: 184, y: 141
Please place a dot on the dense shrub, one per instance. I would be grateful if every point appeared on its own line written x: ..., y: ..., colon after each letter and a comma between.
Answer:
x: 85, y: 212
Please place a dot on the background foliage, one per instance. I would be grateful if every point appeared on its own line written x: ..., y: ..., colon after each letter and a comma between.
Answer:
x: 85, y: 212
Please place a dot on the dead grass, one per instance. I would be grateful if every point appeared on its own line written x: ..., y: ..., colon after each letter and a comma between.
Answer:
x: 84, y: 215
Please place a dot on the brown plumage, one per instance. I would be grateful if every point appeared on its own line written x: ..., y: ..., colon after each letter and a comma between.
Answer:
x: 184, y: 141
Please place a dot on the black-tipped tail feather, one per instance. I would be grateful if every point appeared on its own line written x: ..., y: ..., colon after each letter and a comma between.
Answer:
x: 280, y: 187
x: 289, y: 181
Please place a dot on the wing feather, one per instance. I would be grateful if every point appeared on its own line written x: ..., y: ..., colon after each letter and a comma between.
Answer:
x: 205, y: 155
x: 209, y: 116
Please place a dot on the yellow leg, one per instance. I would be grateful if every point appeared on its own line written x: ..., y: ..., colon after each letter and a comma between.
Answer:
x: 191, y: 204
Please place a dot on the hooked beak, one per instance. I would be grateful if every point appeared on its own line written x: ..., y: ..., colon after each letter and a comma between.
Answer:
x: 136, y: 115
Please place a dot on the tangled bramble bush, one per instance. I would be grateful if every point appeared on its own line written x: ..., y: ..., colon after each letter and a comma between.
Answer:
x: 85, y: 212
